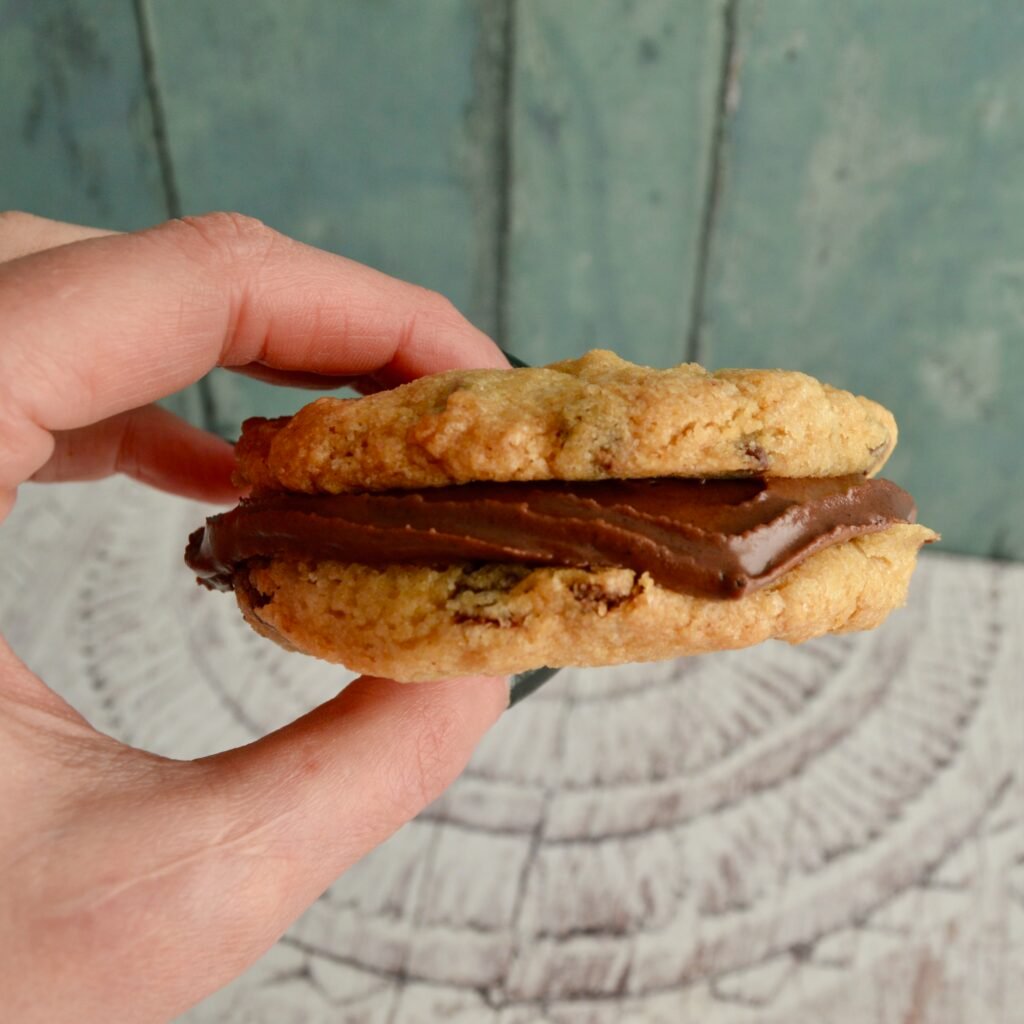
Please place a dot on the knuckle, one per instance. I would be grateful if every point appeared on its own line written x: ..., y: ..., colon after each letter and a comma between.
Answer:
x: 237, y: 234
x: 226, y: 224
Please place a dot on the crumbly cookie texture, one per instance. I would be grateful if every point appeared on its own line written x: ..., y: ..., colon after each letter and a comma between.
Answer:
x: 417, y: 623
x: 598, y: 417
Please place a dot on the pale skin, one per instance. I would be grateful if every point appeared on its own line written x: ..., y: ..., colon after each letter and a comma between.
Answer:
x: 131, y: 886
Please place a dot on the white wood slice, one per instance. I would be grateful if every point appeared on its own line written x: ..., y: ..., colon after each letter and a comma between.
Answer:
x: 825, y: 832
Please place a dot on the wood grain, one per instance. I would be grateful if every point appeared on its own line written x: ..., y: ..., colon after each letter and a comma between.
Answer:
x: 869, y: 232
x: 828, y: 832
x: 612, y: 119
x: 74, y: 115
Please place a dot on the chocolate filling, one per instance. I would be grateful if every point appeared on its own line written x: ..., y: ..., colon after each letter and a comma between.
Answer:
x: 720, y: 537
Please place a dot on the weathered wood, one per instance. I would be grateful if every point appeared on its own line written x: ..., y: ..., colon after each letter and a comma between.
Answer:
x: 828, y: 832
x: 366, y: 130
x: 78, y: 140
x: 870, y: 231
x: 612, y: 117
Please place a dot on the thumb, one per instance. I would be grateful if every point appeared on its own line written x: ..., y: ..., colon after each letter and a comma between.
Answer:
x: 323, y: 791
x: 154, y: 882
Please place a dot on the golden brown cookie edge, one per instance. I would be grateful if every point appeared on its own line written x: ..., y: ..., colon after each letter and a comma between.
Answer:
x: 598, y: 417
x: 417, y: 624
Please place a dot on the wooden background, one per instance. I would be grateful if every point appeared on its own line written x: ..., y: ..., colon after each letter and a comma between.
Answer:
x: 837, y: 187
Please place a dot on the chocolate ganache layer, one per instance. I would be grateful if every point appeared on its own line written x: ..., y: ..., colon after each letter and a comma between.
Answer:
x: 720, y: 537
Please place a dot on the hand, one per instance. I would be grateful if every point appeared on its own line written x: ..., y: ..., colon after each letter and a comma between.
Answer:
x: 132, y: 885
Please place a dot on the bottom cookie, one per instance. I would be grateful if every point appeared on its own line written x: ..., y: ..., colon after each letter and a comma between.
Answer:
x: 415, y: 623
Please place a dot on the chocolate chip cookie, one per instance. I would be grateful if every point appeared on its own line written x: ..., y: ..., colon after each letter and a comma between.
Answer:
x: 586, y: 513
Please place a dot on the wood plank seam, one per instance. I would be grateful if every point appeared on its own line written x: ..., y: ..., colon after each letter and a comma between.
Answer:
x: 504, y: 171
x: 161, y: 142
x: 165, y: 160
x: 728, y: 73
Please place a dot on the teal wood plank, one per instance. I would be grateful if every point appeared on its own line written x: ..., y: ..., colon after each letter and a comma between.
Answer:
x: 871, y: 232
x: 366, y: 129
x: 612, y: 116
x: 74, y: 118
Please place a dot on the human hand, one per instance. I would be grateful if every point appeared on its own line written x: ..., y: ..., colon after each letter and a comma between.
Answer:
x: 132, y: 885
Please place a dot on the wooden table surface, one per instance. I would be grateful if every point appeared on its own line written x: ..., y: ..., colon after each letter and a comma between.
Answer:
x: 832, y: 832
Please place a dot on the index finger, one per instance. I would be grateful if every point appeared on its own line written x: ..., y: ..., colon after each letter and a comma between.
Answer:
x: 25, y: 233
x: 107, y: 324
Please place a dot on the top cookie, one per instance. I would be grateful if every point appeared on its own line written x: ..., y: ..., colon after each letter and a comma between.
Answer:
x: 598, y: 417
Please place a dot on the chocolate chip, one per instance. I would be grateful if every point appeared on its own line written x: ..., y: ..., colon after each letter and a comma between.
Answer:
x: 594, y: 594
x: 462, y: 618
x: 754, y: 451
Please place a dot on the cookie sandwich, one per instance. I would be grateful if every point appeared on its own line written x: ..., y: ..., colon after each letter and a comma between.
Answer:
x: 590, y: 512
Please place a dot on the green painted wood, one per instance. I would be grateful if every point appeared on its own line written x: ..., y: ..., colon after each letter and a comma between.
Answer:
x: 366, y: 129
x: 76, y: 122
x: 871, y: 232
x: 612, y: 117
x: 74, y: 118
